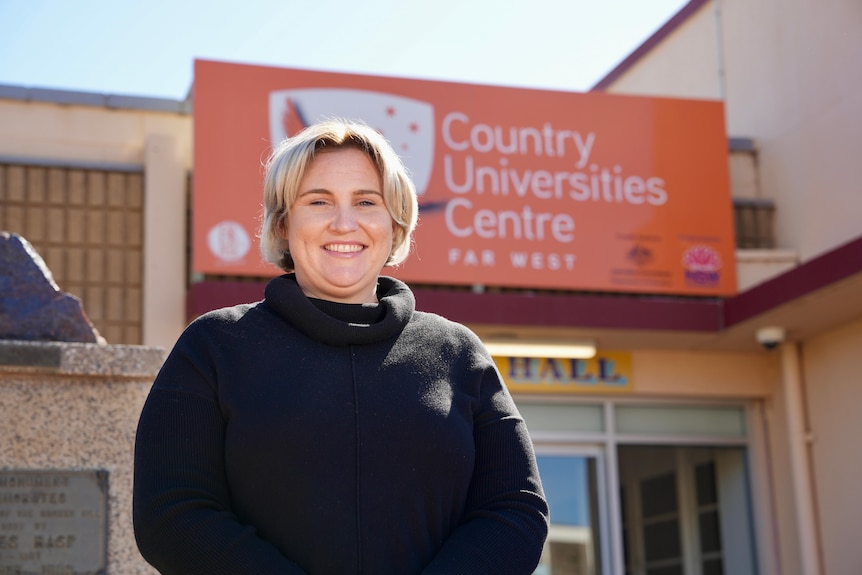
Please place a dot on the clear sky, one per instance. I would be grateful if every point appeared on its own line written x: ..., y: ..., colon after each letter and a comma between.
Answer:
x: 147, y: 47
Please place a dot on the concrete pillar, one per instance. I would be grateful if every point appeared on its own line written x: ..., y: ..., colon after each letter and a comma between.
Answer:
x: 165, y: 246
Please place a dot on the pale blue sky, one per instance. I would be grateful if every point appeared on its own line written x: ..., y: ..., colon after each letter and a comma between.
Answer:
x: 146, y: 47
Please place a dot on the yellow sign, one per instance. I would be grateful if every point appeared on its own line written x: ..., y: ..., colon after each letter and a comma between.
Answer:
x: 607, y: 372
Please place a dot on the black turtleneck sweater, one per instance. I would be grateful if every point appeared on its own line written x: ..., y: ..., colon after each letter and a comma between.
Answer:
x: 300, y: 436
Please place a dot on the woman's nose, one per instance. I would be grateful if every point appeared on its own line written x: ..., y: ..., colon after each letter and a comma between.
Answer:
x: 344, y: 220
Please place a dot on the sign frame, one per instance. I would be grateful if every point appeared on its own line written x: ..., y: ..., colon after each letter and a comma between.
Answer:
x: 519, y: 188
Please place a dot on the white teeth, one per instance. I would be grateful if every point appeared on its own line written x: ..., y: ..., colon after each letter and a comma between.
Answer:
x: 344, y: 249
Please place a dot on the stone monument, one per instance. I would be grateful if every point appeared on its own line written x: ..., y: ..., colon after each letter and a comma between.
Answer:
x: 32, y: 307
x: 69, y: 406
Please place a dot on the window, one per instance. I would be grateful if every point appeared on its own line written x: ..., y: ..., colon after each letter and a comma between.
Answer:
x: 679, y: 478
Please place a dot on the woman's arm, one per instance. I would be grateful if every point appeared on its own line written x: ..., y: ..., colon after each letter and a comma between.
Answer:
x: 506, y: 519
x: 182, y: 517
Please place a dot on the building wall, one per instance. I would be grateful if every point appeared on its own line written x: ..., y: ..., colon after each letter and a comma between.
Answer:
x: 789, y: 75
x: 158, y: 144
x: 691, y: 374
x: 830, y: 365
x: 87, y: 225
x: 685, y: 66
x: 793, y: 85
x: 833, y: 387
x: 78, y: 133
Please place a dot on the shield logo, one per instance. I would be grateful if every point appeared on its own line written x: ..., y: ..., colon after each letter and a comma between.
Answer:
x: 408, y: 124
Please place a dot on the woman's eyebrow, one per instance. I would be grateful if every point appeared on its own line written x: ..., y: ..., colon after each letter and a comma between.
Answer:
x: 315, y: 191
x: 324, y: 191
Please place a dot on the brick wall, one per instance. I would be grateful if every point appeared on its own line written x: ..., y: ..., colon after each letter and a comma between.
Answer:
x: 87, y: 225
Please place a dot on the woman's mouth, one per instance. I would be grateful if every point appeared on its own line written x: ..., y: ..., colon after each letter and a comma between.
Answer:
x: 344, y: 248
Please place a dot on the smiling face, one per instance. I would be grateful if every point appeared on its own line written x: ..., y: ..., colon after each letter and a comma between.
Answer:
x: 338, y: 230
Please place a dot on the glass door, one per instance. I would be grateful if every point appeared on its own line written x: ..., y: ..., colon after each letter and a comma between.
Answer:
x: 574, y: 482
x: 644, y: 488
x: 685, y: 511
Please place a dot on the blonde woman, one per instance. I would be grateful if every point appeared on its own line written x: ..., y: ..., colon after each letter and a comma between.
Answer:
x: 331, y: 428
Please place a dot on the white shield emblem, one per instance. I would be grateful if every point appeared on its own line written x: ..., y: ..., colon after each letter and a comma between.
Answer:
x: 408, y: 124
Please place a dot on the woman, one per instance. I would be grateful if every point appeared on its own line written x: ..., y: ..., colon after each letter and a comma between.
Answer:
x: 331, y: 428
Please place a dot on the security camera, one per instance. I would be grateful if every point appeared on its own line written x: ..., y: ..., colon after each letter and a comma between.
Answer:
x: 770, y: 337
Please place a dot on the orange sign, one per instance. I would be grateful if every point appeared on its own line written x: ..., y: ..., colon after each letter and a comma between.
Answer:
x: 517, y: 187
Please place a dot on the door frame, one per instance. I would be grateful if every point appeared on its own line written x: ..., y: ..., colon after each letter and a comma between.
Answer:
x: 599, y: 454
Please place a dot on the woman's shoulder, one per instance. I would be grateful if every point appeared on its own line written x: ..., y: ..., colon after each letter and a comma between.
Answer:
x: 224, y: 315
x: 226, y: 320
x: 432, y: 324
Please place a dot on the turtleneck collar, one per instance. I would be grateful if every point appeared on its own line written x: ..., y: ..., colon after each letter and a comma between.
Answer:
x: 333, y: 323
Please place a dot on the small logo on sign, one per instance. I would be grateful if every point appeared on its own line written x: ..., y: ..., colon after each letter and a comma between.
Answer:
x: 639, y: 254
x: 228, y: 241
x: 701, y: 265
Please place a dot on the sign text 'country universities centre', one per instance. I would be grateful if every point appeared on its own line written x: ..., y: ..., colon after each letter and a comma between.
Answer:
x: 517, y: 187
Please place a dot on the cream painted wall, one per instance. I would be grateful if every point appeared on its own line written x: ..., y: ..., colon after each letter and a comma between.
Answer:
x: 159, y: 142
x: 753, y: 267
x: 685, y: 65
x: 833, y: 381
x: 164, y: 293
x: 793, y: 84
x: 692, y: 374
x: 47, y: 132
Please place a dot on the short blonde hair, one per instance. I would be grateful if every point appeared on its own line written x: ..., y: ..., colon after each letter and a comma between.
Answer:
x: 289, y: 162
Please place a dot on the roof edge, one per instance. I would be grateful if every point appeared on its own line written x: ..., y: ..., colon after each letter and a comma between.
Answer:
x: 94, y: 99
x: 608, y: 311
x: 817, y: 273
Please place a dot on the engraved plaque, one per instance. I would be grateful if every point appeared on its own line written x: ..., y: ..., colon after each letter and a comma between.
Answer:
x: 53, y: 522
